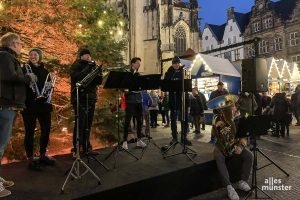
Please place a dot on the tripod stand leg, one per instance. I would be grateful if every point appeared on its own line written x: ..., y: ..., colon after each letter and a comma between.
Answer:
x: 91, y: 171
x: 255, y: 189
x: 166, y: 151
x: 112, y: 152
x: 69, y: 175
x: 262, y: 153
x: 95, y: 159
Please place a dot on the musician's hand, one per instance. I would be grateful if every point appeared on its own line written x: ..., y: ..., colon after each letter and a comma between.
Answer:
x: 220, y: 124
x: 238, y: 149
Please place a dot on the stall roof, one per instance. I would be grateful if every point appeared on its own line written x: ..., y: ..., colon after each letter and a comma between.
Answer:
x: 211, y: 64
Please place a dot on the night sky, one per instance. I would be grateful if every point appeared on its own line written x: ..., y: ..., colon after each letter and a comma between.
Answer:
x: 214, y: 11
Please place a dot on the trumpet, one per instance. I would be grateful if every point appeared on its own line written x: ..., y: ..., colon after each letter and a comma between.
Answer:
x: 32, y: 84
x: 47, y: 90
x: 106, y: 70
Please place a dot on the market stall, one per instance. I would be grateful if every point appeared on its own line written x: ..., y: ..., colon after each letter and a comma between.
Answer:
x: 207, y: 71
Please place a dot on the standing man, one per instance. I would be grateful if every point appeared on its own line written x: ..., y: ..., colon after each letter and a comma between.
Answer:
x: 175, y: 101
x: 37, y: 110
x: 87, y: 97
x: 134, y: 107
x: 12, y: 93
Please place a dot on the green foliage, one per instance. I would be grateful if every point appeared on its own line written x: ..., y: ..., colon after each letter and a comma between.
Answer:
x: 101, y: 30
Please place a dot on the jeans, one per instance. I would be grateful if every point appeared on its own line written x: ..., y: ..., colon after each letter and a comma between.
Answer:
x: 247, y: 158
x: 7, y: 118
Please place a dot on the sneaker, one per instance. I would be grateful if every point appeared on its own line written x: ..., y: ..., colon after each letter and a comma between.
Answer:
x: 6, y: 183
x: 141, y: 144
x: 232, y: 195
x: 47, y: 160
x: 4, y: 192
x: 124, y: 145
x: 243, y: 185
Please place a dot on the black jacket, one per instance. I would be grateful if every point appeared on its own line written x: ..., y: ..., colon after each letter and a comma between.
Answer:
x: 281, y: 106
x: 12, y: 85
x: 134, y: 95
x: 33, y: 106
x: 79, y: 70
x: 175, y: 99
x: 197, y: 107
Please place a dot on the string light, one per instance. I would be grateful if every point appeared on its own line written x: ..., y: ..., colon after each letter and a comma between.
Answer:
x: 80, y: 25
x: 111, y: 32
x: 104, y: 12
x: 1, y: 6
x: 100, y: 23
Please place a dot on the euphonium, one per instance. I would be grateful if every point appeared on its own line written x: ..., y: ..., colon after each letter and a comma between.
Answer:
x: 32, y: 84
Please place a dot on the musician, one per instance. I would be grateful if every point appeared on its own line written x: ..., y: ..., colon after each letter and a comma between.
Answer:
x: 227, y: 147
x: 37, y: 110
x: 82, y: 67
x: 12, y: 94
x: 134, y: 107
x: 175, y: 101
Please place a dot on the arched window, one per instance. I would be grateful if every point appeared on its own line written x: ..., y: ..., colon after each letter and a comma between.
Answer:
x: 180, y: 40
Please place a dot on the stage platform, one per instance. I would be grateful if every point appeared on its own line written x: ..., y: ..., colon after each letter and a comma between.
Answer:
x: 151, y: 177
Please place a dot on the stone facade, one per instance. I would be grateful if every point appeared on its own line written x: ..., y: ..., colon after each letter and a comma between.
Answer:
x: 159, y: 29
x: 277, y: 25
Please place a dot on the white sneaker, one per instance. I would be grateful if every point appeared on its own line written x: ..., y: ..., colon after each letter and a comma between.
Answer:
x: 140, y: 143
x: 232, y: 195
x: 6, y: 183
x: 243, y: 185
x: 125, y: 145
x: 4, y: 192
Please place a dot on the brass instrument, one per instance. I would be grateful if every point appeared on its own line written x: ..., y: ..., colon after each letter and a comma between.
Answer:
x: 32, y: 84
x: 106, y: 70
x: 47, y: 90
x: 223, y: 101
x: 46, y: 93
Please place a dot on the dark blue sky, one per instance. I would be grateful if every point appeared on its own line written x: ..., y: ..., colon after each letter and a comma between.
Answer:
x: 215, y: 11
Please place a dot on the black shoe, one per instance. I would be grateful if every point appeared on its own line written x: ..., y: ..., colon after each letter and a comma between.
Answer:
x: 46, y: 160
x: 148, y: 136
x: 187, y: 142
x: 34, y: 166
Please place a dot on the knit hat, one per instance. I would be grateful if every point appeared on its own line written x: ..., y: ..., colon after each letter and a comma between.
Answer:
x: 38, y: 51
x: 175, y: 60
x: 83, y: 51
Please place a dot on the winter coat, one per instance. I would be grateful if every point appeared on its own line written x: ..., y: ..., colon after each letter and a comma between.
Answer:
x: 175, y: 98
x: 12, y: 80
x: 217, y: 93
x: 244, y: 105
x: 134, y: 95
x: 280, y: 107
x: 147, y: 100
x: 33, y: 106
x: 196, y: 105
x: 79, y: 70
x: 155, y: 102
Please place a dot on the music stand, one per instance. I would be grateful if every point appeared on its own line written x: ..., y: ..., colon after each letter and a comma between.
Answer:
x: 256, y: 125
x: 149, y: 82
x: 183, y: 86
x: 118, y: 80
x: 76, y: 164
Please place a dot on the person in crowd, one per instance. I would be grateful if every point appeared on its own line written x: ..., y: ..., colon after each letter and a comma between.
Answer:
x: 280, y: 106
x: 165, y: 108
x: 295, y: 101
x: 258, y: 98
x: 12, y: 94
x: 37, y: 108
x: 153, y: 109
x: 147, y: 101
x: 246, y: 104
x: 265, y: 101
x: 81, y: 68
x: 174, y: 72
x: 204, y: 104
x: 196, y: 109
x: 218, y: 92
x: 134, y: 107
x: 228, y: 147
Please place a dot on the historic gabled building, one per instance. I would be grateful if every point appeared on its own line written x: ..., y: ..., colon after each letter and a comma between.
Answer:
x: 230, y: 33
x: 159, y: 29
x: 277, y: 25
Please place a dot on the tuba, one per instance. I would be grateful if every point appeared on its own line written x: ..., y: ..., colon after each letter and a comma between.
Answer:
x: 223, y: 101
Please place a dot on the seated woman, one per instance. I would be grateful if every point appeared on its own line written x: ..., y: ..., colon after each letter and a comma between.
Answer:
x: 227, y: 147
